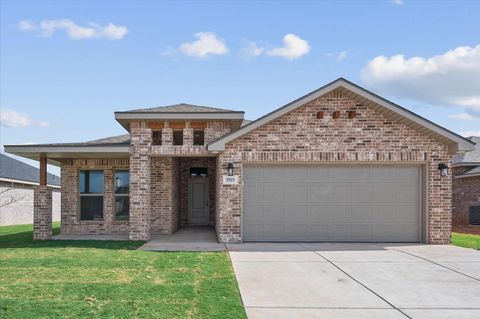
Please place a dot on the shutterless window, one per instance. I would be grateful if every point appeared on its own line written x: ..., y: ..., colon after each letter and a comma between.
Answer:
x: 91, y: 195
x: 178, y: 137
x: 157, y: 137
x: 122, y: 195
x: 198, y: 137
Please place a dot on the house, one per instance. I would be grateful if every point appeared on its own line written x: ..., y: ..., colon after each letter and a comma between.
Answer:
x: 338, y: 164
x: 17, y: 181
x: 466, y: 186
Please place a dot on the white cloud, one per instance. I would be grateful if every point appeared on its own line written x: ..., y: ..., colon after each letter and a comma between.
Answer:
x: 463, y: 117
x: 10, y: 118
x: 206, y: 44
x: 398, y: 2
x: 251, y: 49
x: 342, y: 56
x: 92, y: 30
x: 293, y: 48
x: 470, y: 133
x: 452, y: 78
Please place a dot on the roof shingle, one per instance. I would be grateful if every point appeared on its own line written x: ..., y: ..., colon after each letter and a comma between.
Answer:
x: 17, y: 170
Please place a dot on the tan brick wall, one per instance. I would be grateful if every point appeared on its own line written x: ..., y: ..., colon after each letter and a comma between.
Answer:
x: 70, y: 204
x: 165, y: 198
x: 300, y: 137
x: 42, y: 212
x: 466, y: 192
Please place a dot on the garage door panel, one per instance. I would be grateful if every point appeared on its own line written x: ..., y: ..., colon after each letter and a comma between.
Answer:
x: 273, y: 192
x: 274, y: 213
x: 254, y: 214
x: 318, y: 214
x: 295, y: 192
x: 296, y: 213
x: 332, y: 203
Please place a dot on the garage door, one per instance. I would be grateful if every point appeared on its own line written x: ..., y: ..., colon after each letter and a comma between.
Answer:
x: 345, y: 203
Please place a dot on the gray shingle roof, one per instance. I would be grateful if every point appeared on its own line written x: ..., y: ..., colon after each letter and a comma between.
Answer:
x: 470, y: 157
x: 107, y: 141
x: 182, y: 108
x: 472, y: 172
x: 15, y: 169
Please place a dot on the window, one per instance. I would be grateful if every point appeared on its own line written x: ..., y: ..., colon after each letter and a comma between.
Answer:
x: 178, y: 137
x: 157, y: 137
x: 198, y: 137
x: 122, y: 195
x: 91, y: 195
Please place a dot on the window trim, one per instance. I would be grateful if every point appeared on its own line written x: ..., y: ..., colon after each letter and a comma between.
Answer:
x: 115, y: 195
x: 80, y: 195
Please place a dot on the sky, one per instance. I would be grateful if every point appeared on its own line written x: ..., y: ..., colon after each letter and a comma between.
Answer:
x: 65, y: 67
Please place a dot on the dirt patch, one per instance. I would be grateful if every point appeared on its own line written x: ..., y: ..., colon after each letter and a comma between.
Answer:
x: 473, y: 230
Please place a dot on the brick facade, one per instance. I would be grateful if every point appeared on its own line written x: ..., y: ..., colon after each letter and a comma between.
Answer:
x: 466, y: 192
x: 300, y: 137
x: 42, y: 212
x: 70, y: 201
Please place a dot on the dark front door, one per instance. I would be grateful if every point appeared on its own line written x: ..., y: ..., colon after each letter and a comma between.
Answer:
x: 198, y: 201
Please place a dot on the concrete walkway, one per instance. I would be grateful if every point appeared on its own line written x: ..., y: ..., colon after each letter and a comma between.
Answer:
x: 198, y: 238
x: 326, y: 280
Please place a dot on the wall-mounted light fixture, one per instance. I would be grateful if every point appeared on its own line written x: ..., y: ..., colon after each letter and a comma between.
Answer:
x: 443, y: 168
x: 230, y: 169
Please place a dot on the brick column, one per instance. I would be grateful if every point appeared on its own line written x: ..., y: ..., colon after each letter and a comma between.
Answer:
x: 141, y: 139
x: 42, y: 212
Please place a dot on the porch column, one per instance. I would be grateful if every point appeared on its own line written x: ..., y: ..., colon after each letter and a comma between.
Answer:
x: 42, y: 205
x: 141, y: 139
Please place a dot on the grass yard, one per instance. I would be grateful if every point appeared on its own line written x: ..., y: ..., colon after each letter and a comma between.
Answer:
x: 466, y: 240
x: 85, y: 279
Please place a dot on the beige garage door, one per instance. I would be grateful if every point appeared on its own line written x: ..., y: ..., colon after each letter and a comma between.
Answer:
x: 361, y: 203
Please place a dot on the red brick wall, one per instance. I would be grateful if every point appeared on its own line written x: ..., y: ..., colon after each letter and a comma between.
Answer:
x: 300, y: 137
x: 466, y: 192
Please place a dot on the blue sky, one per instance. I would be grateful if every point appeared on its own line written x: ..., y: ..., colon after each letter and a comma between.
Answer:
x: 64, y: 70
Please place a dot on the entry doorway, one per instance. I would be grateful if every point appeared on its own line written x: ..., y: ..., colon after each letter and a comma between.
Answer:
x: 198, y: 201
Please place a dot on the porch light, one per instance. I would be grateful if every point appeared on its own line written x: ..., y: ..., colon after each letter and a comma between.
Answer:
x: 230, y: 169
x: 443, y: 169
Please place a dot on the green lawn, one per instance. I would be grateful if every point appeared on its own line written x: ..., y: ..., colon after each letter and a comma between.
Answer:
x: 466, y: 240
x: 85, y: 279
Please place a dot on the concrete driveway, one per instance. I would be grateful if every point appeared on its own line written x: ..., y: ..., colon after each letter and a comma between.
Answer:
x: 326, y: 280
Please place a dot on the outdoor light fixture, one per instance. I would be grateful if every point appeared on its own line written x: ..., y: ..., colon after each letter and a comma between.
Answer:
x: 443, y: 169
x: 230, y: 169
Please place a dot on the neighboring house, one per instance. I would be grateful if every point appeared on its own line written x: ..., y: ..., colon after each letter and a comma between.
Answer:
x: 338, y: 164
x: 466, y: 186
x: 17, y: 181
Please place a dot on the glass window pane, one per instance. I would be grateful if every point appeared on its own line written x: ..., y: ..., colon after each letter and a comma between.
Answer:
x: 178, y: 137
x: 122, y: 182
x: 157, y: 137
x: 91, y: 207
x: 122, y: 207
x: 82, y: 181
x: 96, y: 182
x: 198, y: 137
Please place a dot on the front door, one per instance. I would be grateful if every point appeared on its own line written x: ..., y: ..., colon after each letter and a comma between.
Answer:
x: 198, y: 201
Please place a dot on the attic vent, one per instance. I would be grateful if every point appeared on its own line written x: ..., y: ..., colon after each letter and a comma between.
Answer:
x: 475, y: 215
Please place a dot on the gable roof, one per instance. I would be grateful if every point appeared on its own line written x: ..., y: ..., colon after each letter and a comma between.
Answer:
x: 470, y: 158
x: 18, y: 171
x: 455, y: 141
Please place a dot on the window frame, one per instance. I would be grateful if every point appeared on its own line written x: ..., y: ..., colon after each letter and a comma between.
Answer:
x: 203, y: 137
x: 115, y: 195
x: 80, y: 195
